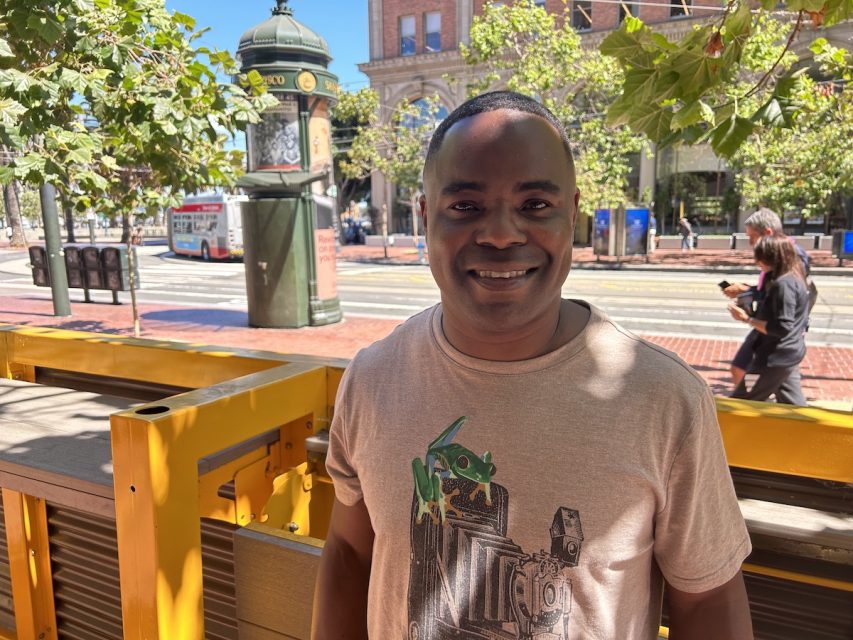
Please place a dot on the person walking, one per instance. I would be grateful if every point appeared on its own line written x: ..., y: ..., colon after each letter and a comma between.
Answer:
x: 762, y: 223
x: 686, y: 232
x: 780, y: 321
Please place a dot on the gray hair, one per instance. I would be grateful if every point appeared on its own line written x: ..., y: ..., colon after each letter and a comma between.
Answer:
x: 764, y: 219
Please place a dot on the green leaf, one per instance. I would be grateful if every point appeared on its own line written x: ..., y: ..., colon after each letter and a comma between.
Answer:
x: 728, y: 136
x: 769, y: 113
x: 5, y: 50
x: 640, y: 84
x: 184, y: 20
x: 16, y: 80
x: 32, y: 162
x: 48, y: 28
x: 10, y: 110
x: 619, y: 111
x: 652, y: 120
x: 695, y: 72
x: 70, y: 79
x: 621, y: 45
x: 692, y: 113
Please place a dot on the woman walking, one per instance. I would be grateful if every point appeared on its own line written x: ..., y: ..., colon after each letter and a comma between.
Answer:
x: 781, y: 320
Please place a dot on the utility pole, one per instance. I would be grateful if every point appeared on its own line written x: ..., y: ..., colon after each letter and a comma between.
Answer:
x: 53, y: 249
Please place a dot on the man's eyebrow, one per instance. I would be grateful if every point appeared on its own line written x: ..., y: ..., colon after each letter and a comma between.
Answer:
x: 538, y: 185
x: 462, y: 185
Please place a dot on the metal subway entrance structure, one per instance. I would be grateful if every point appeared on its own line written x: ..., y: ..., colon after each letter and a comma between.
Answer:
x: 169, y: 448
x: 160, y: 490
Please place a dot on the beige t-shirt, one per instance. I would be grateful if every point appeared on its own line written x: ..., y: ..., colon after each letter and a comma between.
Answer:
x: 535, y: 499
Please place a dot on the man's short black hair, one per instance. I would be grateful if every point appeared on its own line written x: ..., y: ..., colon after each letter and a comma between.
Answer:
x: 493, y: 101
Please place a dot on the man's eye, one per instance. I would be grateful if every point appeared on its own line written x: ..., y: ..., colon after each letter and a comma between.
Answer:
x: 462, y: 206
x: 536, y: 205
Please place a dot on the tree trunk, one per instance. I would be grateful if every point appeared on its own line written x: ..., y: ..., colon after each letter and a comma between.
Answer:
x: 125, y: 228
x: 69, y: 223
x: 13, y: 216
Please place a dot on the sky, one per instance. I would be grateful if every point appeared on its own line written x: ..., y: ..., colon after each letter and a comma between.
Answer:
x: 343, y: 23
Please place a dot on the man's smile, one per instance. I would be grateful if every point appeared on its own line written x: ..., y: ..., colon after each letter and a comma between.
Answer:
x: 503, y: 274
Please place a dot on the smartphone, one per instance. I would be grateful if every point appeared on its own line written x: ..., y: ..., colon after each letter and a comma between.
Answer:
x: 725, y: 284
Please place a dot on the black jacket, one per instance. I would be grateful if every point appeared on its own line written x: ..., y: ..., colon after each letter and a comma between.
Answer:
x: 785, y: 308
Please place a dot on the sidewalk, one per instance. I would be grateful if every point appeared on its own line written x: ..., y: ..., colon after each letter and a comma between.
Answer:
x: 827, y: 371
x: 722, y: 260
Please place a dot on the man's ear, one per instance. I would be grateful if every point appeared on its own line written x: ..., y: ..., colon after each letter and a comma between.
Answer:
x: 422, y: 211
x: 575, y: 216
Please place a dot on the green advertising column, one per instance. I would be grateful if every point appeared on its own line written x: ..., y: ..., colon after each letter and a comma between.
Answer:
x: 289, y: 221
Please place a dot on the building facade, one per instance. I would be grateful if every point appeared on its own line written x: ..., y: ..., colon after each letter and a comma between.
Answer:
x: 414, y: 49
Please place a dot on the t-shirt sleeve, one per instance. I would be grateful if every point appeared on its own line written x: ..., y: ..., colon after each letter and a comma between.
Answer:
x: 700, y: 535
x: 339, y: 463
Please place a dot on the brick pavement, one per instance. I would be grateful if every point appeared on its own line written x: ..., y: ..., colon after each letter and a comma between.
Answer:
x: 583, y: 257
x: 827, y: 371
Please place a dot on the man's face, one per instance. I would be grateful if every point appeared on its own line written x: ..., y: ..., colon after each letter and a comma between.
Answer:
x: 755, y: 234
x: 499, y: 213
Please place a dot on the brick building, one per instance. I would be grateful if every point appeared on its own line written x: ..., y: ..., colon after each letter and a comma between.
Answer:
x: 414, y: 45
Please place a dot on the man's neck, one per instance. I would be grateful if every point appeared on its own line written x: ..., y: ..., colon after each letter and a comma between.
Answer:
x: 540, y: 336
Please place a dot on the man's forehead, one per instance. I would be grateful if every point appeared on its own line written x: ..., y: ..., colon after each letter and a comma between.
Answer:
x: 528, y: 132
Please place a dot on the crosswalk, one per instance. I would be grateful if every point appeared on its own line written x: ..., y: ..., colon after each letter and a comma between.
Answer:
x: 672, y: 304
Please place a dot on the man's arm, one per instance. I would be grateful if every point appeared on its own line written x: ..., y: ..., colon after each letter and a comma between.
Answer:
x: 340, y: 597
x: 718, y: 614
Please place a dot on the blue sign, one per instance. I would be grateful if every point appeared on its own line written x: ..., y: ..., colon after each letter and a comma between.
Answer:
x: 601, y: 233
x: 636, y: 231
x: 847, y: 243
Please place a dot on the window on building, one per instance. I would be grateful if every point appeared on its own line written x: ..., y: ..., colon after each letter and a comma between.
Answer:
x: 582, y: 15
x: 407, y: 35
x: 680, y: 8
x: 626, y: 9
x: 432, y: 27
x: 539, y: 3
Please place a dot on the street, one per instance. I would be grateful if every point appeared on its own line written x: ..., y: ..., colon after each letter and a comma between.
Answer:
x: 672, y: 303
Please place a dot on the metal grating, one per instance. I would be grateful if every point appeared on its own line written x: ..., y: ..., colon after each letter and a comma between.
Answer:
x: 220, y: 596
x: 7, y: 612
x: 84, y: 561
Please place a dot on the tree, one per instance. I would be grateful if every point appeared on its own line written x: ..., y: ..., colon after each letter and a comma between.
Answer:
x: 395, y: 146
x: 808, y: 166
x: 112, y: 102
x: 114, y: 99
x: 347, y: 121
x: 527, y: 49
x: 681, y: 91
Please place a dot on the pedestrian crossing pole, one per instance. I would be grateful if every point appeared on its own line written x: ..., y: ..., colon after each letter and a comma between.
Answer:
x: 55, y: 254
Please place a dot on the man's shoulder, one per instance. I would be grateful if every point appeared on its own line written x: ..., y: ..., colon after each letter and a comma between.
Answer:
x: 644, y: 360
x: 413, y: 334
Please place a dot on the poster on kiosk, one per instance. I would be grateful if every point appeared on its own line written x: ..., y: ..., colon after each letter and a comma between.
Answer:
x: 601, y: 233
x: 636, y: 232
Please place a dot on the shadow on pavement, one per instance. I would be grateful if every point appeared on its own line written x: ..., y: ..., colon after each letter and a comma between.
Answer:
x: 214, y: 318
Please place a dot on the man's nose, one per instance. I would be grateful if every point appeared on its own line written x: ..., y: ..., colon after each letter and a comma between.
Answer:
x: 501, y: 228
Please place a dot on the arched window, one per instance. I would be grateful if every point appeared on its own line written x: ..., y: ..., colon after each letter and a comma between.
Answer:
x: 425, y: 116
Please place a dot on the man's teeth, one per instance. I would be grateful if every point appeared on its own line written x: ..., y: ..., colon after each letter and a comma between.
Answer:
x: 501, y: 274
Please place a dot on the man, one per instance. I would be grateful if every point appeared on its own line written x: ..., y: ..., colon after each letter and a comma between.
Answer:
x: 765, y: 222
x: 686, y: 232
x: 500, y: 469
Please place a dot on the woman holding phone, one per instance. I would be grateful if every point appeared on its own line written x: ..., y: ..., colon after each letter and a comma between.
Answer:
x: 780, y: 320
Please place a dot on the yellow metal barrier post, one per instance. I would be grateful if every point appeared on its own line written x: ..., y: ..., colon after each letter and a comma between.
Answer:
x: 29, y: 566
x: 156, y: 449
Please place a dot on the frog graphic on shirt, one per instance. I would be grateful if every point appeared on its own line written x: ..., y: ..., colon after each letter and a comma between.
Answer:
x: 447, y: 459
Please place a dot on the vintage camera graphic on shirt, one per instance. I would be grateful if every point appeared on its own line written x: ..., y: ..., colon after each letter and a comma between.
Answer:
x: 468, y: 579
